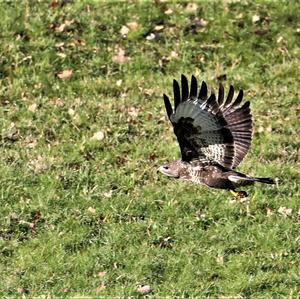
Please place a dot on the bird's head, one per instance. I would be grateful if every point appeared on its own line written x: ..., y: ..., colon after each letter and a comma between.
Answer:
x: 171, y: 169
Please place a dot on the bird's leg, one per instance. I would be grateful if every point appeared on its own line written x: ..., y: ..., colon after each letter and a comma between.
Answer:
x: 239, y: 194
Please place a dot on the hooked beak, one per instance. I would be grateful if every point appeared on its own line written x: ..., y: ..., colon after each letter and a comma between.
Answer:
x: 167, y: 172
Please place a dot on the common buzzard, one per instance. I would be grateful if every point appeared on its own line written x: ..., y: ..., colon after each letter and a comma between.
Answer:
x: 214, y: 135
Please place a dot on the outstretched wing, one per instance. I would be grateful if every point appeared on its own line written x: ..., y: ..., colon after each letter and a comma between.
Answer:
x: 210, y: 128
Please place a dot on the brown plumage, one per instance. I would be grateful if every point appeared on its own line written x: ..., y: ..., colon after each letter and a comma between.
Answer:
x: 214, y: 135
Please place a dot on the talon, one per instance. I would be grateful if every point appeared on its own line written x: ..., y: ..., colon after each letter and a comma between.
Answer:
x: 239, y: 194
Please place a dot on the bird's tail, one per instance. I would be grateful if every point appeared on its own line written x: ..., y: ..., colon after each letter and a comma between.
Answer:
x: 264, y: 180
x: 246, y: 180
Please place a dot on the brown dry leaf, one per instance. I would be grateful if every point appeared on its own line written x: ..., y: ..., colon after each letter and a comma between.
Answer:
x: 201, y: 23
x: 38, y: 164
x: 285, y: 212
x: 220, y: 259
x: 91, y: 210
x: 62, y: 27
x: 98, y: 136
x: 124, y: 30
x: 102, y: 274
x: 29, y: 142
x: 151, y: 36
x: 153, y: 157
x: 65, y: 75
x: 173, y: 55
x: 62, y: 55
x: 148, y: 92
x: 269, y: 212
x: 119, y: 82
x: 133, y: 112
x: 108, y: 194
x: 279, y: 39
x: 191, y: 8
x: 32, y: 107
x: 101, y: 288
x: 119, y: 56
x: 168, y: 11
x: 57, y: 102
x: 71, y: 112
x: 144, y: 289
x: 255, y: 18
x: 158, y: 28
x: 60, y: 46
x: 132, y: 25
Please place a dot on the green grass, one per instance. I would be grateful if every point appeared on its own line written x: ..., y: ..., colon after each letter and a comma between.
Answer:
x: 73, y: 207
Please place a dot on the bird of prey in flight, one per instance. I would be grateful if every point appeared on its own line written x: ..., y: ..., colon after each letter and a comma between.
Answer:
x: 214, y: 135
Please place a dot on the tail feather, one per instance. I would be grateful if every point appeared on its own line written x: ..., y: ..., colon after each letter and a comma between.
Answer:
x: 264, y: 180
x: 246, y: 180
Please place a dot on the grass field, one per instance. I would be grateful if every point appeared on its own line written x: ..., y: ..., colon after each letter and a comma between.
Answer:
x: 83, y: 129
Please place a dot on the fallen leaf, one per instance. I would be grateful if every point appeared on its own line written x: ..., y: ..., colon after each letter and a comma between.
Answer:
x: 108, y: 194
x: 101, y: 288
x: 148, y: 92
x: 133, y: 112
x: 174, y: 54
x: 255, y: 18
x: 65, y: 75
x: 153, y: 157
x: 220, y: 259
x: 158, y: 28
x: 279, y: 39
x: 132, y: 25
x: 102, y: 274
x: 98, y: 136
x: 144, y: 289
x: 124, y: 30
x: 60, y: 45
x: 151, y: 36
x: 191, y: 8
x: 119, y: 56
x: 168, y: 11
x: 71, y: 112
x: 32, y: 107
x: 91, y: 210
x: 269, y: 212
x: 285, y: 212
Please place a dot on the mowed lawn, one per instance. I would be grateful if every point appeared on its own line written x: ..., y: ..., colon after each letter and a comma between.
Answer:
x: 83, y: 129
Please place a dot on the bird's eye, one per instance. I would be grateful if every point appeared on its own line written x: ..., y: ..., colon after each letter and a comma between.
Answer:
x: 166, y: 167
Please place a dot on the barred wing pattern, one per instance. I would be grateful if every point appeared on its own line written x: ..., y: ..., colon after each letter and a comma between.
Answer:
x: 210, y: 128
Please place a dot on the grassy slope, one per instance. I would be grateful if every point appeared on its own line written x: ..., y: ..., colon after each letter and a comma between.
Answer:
x: 59, y: 228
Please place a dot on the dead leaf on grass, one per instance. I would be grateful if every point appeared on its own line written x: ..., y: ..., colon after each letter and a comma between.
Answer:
x: 144, y: 289
x: 101, y: 288
x: 255, y: 18
x: 108, y: 194
x: 124, y: 30
x: 98, y: 136
x: 168, y: 11
x: 269, y: 212
x: 62, y: 26
x: 285, y: 212
x: 65, y: 75
x: 32, y: 108
x: 119, y: 56
x: 91, y: 210
x: 132, y: 25
x: 191, y: 8
x: 102, y: 274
